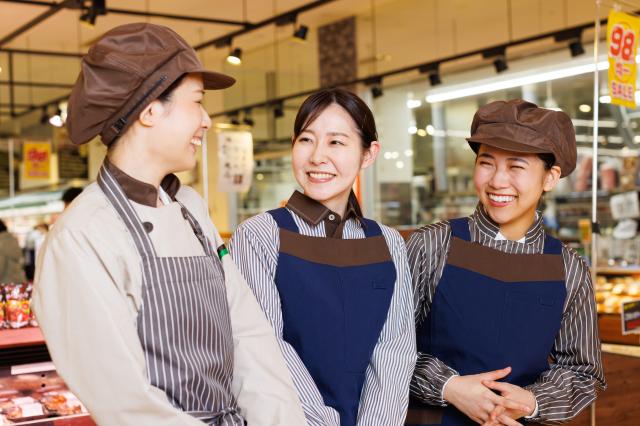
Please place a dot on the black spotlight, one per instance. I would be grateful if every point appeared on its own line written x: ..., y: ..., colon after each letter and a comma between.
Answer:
x: 44, y: 118
x: 278, y: 110
x: 376, y: 91
x: 301, y: 33
x: 89, y: 15
x: 247, y: 118
x: 500, y: 64
x: 235, y: 56
x: 576, y: 48
x: 434, y: 78
x: 89, y: 18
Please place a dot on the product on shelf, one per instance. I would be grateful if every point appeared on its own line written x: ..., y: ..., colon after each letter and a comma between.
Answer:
x: 17, y: 305
x: 612, y: 292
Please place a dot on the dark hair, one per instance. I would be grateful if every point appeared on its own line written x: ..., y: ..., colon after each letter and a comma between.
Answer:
x: 166, y: 95
x: 548, y: 159
x: 3, y: 227
x: 313, y: 106
x: 70, y: 194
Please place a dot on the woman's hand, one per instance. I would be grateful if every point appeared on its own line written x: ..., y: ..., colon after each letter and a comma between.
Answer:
x: 505, y: 415
x: 469, y: 395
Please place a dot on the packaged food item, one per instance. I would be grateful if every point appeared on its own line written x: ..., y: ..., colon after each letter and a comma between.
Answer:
x: 58, y: 404
x: 17, y: 305
x: 33, y: 322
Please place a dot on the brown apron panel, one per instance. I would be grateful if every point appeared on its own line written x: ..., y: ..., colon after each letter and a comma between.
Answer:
x: 505, y: 267
x: 425, y: 416
x: 335, y: 252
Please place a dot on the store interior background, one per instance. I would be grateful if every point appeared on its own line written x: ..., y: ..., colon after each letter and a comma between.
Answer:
x: 424, y: 171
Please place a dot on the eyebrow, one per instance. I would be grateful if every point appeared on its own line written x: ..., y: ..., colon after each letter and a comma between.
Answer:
x: 518, y: 159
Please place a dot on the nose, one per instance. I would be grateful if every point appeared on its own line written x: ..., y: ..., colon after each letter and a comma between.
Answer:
x: 206, y: 120
x: 499, y: 179
x: 318, y: 155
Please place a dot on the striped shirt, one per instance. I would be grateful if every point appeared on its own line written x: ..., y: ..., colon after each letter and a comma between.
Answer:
x: 575, y: 373
x: 385, y: 394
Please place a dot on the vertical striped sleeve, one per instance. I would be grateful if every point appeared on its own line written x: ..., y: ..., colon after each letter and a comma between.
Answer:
x: 427, y: 251
x: 576, y: 372
x: 254, y: 248
x: 385, y: 395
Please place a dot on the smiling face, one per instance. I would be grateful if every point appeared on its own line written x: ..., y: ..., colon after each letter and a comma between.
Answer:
x: 182, y: 125
x: 510, y: 185
x: 328, y: 155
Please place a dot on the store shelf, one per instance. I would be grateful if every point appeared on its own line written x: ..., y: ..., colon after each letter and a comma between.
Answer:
x: 611, y: 331
x: 15, y: 338
x: 618, y: 270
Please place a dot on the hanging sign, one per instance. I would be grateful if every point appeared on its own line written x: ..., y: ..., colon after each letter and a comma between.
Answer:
x: 235, y: 160
x: 622, y: 41
x: 36, y: 157
x: 631, y: 317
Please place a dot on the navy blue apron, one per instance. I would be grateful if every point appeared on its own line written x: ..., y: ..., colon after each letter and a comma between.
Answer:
x: 492, y: 310
x: 335, y: 296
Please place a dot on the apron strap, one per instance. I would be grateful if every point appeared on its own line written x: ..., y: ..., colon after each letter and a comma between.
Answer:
x: 552, y: 245
x: 283, y: 218
x: 460, y: 228
x: 125, y: 210
x: 371, y: 228
x: 197, y: 230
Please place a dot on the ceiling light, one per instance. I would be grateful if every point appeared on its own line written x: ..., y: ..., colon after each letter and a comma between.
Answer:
x: 376, y: 92
x: 514, y: 80
x: 585, y: 108
x: 301, y: 33
x: 278, y: 110
x: 576, y: 48
x: 500, y: 64
x: 433, y: 71
x: 44, y: 118
x: 235, y: 56
x: 247, y: 118
x: 413, y: 130
x: 234, y: 119
x: 56, y: 120
x: 414, y: 103
x: 88, y: 18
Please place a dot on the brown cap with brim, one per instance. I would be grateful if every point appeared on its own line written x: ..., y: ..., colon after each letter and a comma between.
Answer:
x: 522, y: 126
x: 130, y: 66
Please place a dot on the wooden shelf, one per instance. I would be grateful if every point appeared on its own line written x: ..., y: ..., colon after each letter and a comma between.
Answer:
x: 618, y: 270
x: 15, y: 338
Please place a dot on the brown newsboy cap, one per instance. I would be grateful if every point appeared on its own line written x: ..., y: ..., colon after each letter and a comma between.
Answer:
x: 522, y: 126
x: 126, y: 69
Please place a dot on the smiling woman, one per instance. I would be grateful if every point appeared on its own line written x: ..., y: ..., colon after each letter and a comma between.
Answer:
x: 334, y: 284
x: 168, y: 322
x: 506, y: 320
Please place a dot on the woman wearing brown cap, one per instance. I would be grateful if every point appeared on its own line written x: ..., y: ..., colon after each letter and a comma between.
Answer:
x: 505, y: 314
x: 146, y: 318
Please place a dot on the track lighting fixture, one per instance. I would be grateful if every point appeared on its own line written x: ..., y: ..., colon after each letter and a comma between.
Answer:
x: 235, y: 56
x: 300, y: 33
x: 278, y: 110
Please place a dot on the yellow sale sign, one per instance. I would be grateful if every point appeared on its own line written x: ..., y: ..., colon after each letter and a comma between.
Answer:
x: 37, y: 160
x: 622, y: 42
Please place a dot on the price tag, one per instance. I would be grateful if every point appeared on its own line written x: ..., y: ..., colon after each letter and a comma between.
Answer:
x: 631, y: 317
x: 622, y: 44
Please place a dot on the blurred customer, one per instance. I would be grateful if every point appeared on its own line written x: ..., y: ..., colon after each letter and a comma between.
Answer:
x: 10, y: 257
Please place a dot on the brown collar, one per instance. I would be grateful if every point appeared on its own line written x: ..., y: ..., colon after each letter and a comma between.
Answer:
x: 142, y: 192
x: 313, y: 212
x: 488, y: 226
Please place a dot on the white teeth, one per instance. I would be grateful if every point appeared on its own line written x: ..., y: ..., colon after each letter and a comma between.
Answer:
x: 502, y: 198
x: 196, y: 141
x: 316, y: 175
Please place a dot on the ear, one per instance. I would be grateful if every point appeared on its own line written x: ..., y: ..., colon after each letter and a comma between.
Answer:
x: 370, y: 155
x: 551, y: 178
x: 150, y: 115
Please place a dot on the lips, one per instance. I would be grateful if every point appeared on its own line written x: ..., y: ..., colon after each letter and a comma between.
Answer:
x: 320, y: 177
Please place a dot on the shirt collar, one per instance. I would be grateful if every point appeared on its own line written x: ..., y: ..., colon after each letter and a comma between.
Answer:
x: 313, y: 212
x: 142, y: 192
x: 487, y: 226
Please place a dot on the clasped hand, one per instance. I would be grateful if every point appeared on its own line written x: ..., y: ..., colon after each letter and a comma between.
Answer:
x: 474, y: 396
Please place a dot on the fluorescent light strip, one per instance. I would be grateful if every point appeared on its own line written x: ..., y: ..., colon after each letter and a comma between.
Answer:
x: 479, y: 89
